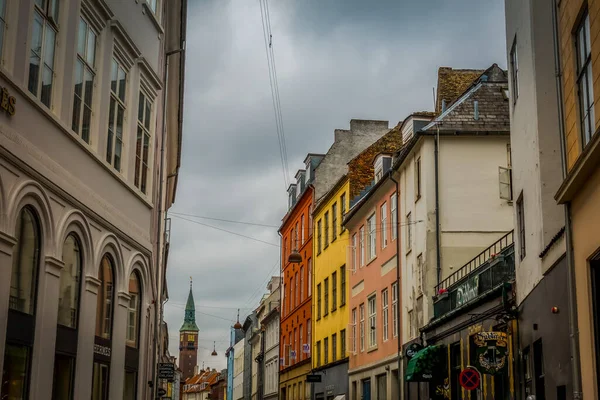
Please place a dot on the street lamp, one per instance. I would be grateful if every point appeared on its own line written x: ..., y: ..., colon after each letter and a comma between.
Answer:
x: 295, y: 257
x: 237, y: 324
x: 214, y: 352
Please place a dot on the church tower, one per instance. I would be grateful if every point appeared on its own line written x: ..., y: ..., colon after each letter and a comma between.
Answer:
x: 188, y: 339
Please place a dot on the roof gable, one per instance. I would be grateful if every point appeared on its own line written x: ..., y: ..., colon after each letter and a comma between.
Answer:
x: 452, y: 83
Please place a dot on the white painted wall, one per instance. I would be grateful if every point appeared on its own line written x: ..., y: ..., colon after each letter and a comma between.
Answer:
x: 238, y: 370
x: 534, y: 137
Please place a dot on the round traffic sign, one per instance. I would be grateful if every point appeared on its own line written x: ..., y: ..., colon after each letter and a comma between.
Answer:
x: 469, y: 378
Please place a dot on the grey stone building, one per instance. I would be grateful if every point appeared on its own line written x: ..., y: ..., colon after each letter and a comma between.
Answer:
x: 90, y: 143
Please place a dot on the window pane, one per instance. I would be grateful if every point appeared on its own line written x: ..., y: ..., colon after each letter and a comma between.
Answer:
x: 90, y: 56
x: 113, y: 76
x: 81, y: 37
x: 62, y: 389
x: 138, y: 156
x: 25, y: 264
x: 49, y: 47
x: 85, y: 124
x: 68, y: 297
x: 105, y: 299
x: 53, y: 10
x: 141, y: 108
x: 46, y: 96
x: 148, y: 112
x: 129, y: 386
x: 122, y: 84
x: 36, y: 34
x: 16, y: 372
x: 89, y: 86
x: 100, y: 382
x: 77, y: 95
x: 134, y: 304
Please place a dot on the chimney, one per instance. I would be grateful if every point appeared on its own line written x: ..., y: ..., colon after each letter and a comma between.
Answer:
x: 339, y: 133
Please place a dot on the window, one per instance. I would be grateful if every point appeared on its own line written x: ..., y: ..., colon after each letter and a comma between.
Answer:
x: 309, y: 263
x: 343, y: 208
x: 334, y: 291
x: 319, y: 301
x: 303, y: 238
x: 296, y: 233
x: 362, y: 326
x: 25, y: 265
x: 297, y: 301
x: 384, y: 310
x: 291, y: 293
x: 408, y: 231
x: 152, y: 4
x: 521, y: 226
x: 334, y: 347
x: 319, y: 237
x: 362, y: 246
x: 308, y: 336
x: 41, y: 57
x: 372, y: 322
x: 64, y: 374
x: 383, y: 225
x: 395, y: 308
x: 104, y: 310
x: 326, y: 228
x: 295, y: 347
x: 133, y: 313
x: 84, y: 80
x: 585, y: 80
x: 354, y: 250
x: 301, y: 283
x: 116, y: 115
x: 393, y: 207
x: 538, y: 368
x: 372, y: 237
x: 326, y: 293
x: 142, y: 146
x: 301, y: 343
x: 334, y: 221
x: 2, y: 23
x: 342, y: 285
x: 514, y: 71
x: 129, y: 385
x: 326, y: 350
x: 68, y: 295
x: 310, y: 220
x: 419, y: 274
x: 318, y: 353
x: 353, y: 344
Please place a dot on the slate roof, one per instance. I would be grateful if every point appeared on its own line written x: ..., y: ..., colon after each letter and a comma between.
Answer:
x: 452, y: 83
x: 493, y: 107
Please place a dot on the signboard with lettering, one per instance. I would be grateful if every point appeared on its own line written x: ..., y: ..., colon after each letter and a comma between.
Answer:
x: 7, y: 102
x: 306, y: 348
x: 166, y: 371
x: 313, y: 378
x: 102, y: 350
x: 491, y: 352
x: 467, y: 291
x: 412, y: 349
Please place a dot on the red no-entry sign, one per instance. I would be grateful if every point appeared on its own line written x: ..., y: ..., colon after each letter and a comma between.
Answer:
x: 469, y: 378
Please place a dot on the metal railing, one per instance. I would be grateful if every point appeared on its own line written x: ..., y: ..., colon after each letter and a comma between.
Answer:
x: 480, y: 259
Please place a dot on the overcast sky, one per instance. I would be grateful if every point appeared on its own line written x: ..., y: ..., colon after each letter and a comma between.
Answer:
x: 336, y: 60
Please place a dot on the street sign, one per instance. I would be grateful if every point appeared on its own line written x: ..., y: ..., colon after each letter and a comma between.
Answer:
x: 469, y: 378
x: 161, y: 392
x: 313, y: 378
x: 166, y: 371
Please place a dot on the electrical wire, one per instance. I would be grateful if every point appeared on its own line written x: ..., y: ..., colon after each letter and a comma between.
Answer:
x: 221, y: 220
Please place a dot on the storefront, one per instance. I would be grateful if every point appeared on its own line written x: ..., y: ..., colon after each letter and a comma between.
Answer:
x: 474, y: 326
x: 334, y: 382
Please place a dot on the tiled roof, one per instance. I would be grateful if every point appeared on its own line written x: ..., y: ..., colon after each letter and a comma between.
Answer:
x: 208, y: 377
x: 452, y: 83
x: 492, y: 104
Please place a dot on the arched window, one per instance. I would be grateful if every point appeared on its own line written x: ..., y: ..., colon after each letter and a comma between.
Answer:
x: 25, y: 265
x: 21, y: 321
x: 104, y: 311
x: 133, y: 317
x: 68, y: 297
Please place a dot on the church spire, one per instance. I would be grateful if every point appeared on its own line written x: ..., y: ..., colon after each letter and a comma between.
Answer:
x: 189, y: 322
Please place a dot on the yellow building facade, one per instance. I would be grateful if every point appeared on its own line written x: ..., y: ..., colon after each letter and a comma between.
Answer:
x: 330, y: 290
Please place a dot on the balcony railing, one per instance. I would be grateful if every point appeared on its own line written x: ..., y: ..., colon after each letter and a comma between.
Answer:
x: 480, y: 259
x: 489, y: 270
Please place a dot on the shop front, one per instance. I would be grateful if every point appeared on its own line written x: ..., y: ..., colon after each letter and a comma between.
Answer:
x: 334, y: 382
x: 466, y: 350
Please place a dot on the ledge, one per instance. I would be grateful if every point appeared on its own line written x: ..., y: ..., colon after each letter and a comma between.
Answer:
x: 153, y: 18
x: 584, y: 167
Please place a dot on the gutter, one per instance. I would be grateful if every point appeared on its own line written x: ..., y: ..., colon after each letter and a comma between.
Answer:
x: 437, y: 206
x: 571, y: 285
x: 398, y: 312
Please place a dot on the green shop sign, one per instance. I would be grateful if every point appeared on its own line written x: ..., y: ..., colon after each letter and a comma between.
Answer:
x: 467, y: 291
x: 491, y: 352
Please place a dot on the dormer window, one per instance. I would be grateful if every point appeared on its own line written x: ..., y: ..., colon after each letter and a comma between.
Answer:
x: 383, y: 163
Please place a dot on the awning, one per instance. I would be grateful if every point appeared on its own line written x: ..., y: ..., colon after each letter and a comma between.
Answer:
x: 423, y: 365
x: 340, y: 397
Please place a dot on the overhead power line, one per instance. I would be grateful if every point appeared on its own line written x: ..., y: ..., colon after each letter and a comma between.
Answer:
x: 222, y: 220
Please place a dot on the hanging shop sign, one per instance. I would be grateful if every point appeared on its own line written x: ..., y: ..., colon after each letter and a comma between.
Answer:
x: 102, y: 350
x: 412, y: 349
x: 491, y: 351
x: 7, y: 102
x: 467, y: 291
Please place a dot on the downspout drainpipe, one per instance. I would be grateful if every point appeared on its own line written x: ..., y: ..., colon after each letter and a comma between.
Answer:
x: 573, y: 322
x: 398, y: 313
x: 437, y: 206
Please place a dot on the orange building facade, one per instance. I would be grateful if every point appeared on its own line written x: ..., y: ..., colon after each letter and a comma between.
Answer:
x: 374, y: 297
x: 578, y: 28
x: 296, y: 299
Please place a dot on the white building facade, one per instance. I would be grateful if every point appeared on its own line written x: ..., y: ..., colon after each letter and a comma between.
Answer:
x: 270, y: 324
x: 238, y: 370
x: 88, y: 165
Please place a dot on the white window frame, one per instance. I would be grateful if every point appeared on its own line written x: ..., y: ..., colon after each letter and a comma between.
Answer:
x: 384, y: 225
x: 362, y: 246
x: 514, y: 70
x: 88, y: 68
x: 585, y: 80
x: 385, y: 311
x: 372, y: 302
x: 362, y: 326
x: 395, y: 309
x: 354, y: 339
x: 303, y: 238
x: 301, y: 284
x: 393, y: 207
x: 354, y: 251
x: 145, y: 127
x: 372, y: 236
x: 408, y: 232
x: 49, y: 23
x: 112, y: 141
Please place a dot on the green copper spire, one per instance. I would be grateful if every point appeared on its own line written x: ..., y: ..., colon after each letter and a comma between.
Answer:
x: 189, y: 322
